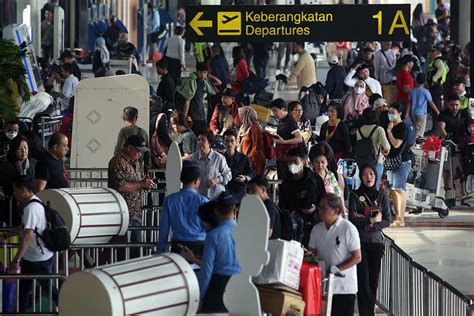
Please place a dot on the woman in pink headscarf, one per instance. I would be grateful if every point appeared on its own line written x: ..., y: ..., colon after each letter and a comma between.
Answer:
x: 355, y: 101
x: 251, y: 139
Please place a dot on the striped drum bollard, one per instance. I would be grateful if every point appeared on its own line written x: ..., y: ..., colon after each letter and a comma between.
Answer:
x: 92, y: 215
x: 154, y: 285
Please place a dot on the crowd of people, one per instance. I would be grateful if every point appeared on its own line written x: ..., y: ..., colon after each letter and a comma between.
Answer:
x: 228, y: 149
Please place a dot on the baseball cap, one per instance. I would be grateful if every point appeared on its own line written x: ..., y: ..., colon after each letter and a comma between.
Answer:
x: 190, y: 171
x: 333, y: 59
x: 225, y: 199
x: 435, y: 48
x: 138, y: 142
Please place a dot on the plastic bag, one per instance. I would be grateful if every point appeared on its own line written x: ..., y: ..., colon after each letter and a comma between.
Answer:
x: 284, y: 266
x: 310, y: 287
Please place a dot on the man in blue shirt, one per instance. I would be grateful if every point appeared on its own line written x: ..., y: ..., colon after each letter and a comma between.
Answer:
x: 219, y: 261
x: 417, y: 109
x: 180, y: 214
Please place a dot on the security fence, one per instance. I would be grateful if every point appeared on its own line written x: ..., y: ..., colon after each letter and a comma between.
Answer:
x: 409, y: 289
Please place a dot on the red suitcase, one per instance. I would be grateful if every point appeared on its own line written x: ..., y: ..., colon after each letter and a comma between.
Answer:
x: 310, y: 287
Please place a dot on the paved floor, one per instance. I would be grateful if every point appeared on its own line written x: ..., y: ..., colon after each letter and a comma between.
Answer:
x: 444, y: 246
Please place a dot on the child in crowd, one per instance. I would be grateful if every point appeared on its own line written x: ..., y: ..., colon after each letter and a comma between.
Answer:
x: 417, y: 108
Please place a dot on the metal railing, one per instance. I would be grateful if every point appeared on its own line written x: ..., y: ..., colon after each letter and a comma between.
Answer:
x: 104, y: 254
x: 408, y: 288
x: 36, y: 301
x: 98, y: 178
x: 48, y: 126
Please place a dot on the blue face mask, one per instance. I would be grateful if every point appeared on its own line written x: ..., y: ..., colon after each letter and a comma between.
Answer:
x: 392, y: 117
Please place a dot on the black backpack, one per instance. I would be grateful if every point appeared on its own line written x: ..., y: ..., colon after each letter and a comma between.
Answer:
x: 292, y: 226
x: 310, y: 103
x: 56, y: 236
x: 364, y: 149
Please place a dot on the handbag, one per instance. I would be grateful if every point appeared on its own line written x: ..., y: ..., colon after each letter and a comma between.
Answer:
x: 393, y: 163
x: 157, y: 149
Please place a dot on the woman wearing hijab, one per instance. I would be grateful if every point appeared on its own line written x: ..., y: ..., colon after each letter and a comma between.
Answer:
x: 355, y: 101
x: 101, y: 58
x: 420, y: 18
x: 251, y: 139
x: 369, y: 211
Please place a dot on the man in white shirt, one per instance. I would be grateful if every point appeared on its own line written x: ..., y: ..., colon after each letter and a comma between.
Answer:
x: 69, y: 86
x: 384, y: 62
x: 336, y: 241
x: 372, y: 85
x: 175, y: 53
x: 33, y: 257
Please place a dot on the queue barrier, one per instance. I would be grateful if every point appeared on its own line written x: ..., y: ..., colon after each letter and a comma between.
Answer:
x: 408, y: 288
x: 104, y: 254
x: 37, y: 296
x: 48, y: 126
x: 98, y: 177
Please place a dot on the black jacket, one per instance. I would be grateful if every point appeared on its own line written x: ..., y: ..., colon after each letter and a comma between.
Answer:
x: 166, y: 91
x: 335, y: 82
x: 300, y: 194
x: 239, y: 164
x: 366, y: 233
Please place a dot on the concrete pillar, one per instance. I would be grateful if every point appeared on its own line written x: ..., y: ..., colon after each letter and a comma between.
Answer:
x: 464, y: 25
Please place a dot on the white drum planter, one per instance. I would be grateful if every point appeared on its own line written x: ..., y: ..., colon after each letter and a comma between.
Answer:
x: 155, y: 285
x: 93, y: 215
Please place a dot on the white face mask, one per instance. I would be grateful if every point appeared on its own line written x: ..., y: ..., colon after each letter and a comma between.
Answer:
x: 294, y: 168
x: 359, y: 90
x: 11, y: 135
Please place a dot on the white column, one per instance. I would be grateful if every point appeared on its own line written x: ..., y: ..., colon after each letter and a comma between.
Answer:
x: 464, y: 22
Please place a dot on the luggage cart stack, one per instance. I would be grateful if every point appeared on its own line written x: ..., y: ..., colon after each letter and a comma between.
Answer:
x: 425, y: 188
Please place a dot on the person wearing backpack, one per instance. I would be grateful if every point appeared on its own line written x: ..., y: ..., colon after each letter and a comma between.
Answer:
x: 300, y: 193
x: 372, y: 143
x: 33, y: 256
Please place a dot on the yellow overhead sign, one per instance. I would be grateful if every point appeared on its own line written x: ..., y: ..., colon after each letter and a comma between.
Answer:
x: 229, y: 23
x: 284, y: 23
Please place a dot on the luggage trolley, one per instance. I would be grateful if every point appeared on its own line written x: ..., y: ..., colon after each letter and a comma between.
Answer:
x: 426, y: 190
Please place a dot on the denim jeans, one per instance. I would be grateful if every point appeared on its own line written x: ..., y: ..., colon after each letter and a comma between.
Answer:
x: 135, y: 236
x: 38, y: 267
x: 397, y: 179
x: 379, y: 169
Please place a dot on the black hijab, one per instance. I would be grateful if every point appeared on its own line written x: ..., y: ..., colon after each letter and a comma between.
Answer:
x: 371, y: 192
